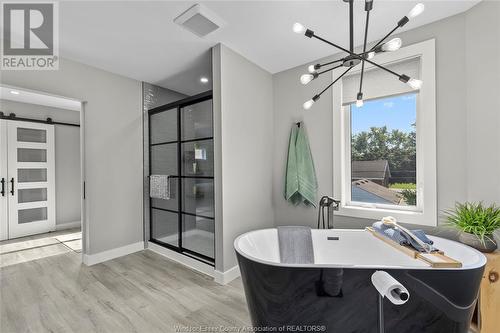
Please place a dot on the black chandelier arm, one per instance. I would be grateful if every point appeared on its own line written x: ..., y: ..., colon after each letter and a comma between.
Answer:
x: 334, y: 81
x: 354, y: 54
x: 364, y: 51
x: 351, y: 25
x: 318, y: 66
x: 330, y: 69
x: 384, y: 38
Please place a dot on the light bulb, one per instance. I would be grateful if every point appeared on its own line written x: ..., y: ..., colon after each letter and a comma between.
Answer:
x: 306, y: 78
x: 417, y: 10
x: 414, y: 83
x: 298, y: 28
x: 392, y: 45
x: 307, y: 105
x: 311, y: 69
x: 359, y: 99
x: 370, y: 55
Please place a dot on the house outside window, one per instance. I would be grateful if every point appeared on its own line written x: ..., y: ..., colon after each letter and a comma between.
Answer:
x: 385, y: 150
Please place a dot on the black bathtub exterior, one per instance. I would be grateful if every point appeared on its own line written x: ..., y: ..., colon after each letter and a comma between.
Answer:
x: 344, y: 300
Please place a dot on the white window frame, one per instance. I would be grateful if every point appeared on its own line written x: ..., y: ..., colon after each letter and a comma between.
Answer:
x: 425, y: 213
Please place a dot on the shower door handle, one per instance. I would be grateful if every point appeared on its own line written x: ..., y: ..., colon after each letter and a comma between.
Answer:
x: 12, y: 187
x: 3, y: 187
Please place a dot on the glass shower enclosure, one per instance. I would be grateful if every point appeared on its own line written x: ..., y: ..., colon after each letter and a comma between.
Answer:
x: 181, y: 147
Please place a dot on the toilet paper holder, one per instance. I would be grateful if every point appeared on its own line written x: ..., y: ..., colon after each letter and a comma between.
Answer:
x: 388, y: 287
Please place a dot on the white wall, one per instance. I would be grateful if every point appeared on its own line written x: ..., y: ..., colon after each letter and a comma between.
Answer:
x: 482, y: 52
x: 68, y: 187
x: 113, y: 147
x: 467, y: 139
x: 67, y: 155
x: 243, y: 117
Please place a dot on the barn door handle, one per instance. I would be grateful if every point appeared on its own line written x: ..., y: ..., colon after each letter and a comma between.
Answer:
x: 12, y: 188
x: 3, y: 187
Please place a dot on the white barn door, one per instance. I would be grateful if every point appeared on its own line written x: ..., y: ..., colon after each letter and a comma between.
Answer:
x: 31, y: 178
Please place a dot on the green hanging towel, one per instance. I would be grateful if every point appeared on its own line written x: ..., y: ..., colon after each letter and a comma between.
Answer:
x: 301, y: 184
x: 291, y: 177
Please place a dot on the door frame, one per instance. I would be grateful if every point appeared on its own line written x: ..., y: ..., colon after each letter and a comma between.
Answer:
x: 4, y: 199
x: 80, y: 105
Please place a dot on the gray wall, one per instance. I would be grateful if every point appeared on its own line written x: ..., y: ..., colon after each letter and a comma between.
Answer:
x: 482, y: 37
x: 67, y: 155
x: 243, y: 117
x: 113, y: 147
x: 467, y: 155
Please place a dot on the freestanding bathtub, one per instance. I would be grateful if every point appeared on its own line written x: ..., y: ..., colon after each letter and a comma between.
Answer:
x: 335, y: 294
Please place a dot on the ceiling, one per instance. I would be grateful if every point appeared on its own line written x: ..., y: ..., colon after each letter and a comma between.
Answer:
x: 138, y: 39
x: 38, y: 98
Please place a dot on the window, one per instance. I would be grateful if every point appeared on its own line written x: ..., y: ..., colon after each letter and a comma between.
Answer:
x: 385, y: 151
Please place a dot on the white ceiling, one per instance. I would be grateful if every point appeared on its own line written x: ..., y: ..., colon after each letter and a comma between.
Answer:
x: 38, y: 98
x: 138, y: 39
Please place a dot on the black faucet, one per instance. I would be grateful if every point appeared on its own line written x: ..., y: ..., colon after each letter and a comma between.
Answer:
x: 329, y: 204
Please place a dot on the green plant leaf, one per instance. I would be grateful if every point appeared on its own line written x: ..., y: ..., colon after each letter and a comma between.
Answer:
x: 474, y: 218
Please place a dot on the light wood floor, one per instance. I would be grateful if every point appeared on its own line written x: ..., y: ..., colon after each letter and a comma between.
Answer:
x: 18, y: 250
x: 141, y: 292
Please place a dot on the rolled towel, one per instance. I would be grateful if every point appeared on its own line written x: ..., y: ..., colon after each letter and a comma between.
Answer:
x: 401, y: 237
x: 422, y: 236
x: 333, y: 279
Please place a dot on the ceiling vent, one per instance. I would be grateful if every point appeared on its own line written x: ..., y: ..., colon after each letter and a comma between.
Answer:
x: 199, y: 20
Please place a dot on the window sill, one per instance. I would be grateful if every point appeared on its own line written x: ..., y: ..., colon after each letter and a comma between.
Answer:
x: 403, y: 216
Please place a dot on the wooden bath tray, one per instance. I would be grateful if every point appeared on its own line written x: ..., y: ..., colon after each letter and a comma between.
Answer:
x: 435, y: 259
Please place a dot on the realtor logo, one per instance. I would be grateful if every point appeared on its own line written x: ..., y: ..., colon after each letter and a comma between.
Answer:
x: 30, y: 36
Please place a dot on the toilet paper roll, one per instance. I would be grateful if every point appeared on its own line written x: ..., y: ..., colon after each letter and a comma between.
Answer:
x: 389, y: 287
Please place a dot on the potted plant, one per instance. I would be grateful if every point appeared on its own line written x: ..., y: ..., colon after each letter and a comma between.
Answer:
x: 476, y: 224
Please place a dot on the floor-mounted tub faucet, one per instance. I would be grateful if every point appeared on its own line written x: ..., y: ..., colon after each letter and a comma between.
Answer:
x: 329, y: 204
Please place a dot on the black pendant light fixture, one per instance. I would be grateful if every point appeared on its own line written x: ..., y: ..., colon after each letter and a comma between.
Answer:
x: 353, y: 59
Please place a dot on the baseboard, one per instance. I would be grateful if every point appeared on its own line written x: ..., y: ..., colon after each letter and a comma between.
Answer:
x: 227, y: 276
x: 182, y: 259
x: 68, y: 225
x: 92, y: 259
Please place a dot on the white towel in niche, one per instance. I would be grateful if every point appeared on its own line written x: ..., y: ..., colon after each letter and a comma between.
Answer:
x: 159, y: 187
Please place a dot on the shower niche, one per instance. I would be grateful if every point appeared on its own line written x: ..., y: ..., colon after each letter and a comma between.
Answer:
x: 180, y: 141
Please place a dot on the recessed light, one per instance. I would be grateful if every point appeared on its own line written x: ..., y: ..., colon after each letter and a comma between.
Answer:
x: 204, y: 80
x: 14, y: 92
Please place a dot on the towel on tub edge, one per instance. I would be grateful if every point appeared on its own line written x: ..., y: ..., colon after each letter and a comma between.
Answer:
x: 295, y: 244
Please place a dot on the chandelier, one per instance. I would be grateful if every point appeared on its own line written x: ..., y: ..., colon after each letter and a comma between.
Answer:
x: 353, y: 59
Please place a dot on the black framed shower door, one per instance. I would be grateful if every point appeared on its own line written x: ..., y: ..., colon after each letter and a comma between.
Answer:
x: 181, y: 146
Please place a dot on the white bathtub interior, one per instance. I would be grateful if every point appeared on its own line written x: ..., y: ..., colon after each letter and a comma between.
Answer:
x: 354, y: 248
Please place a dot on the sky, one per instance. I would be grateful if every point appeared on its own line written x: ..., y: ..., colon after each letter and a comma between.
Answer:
x: 397, y: 112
